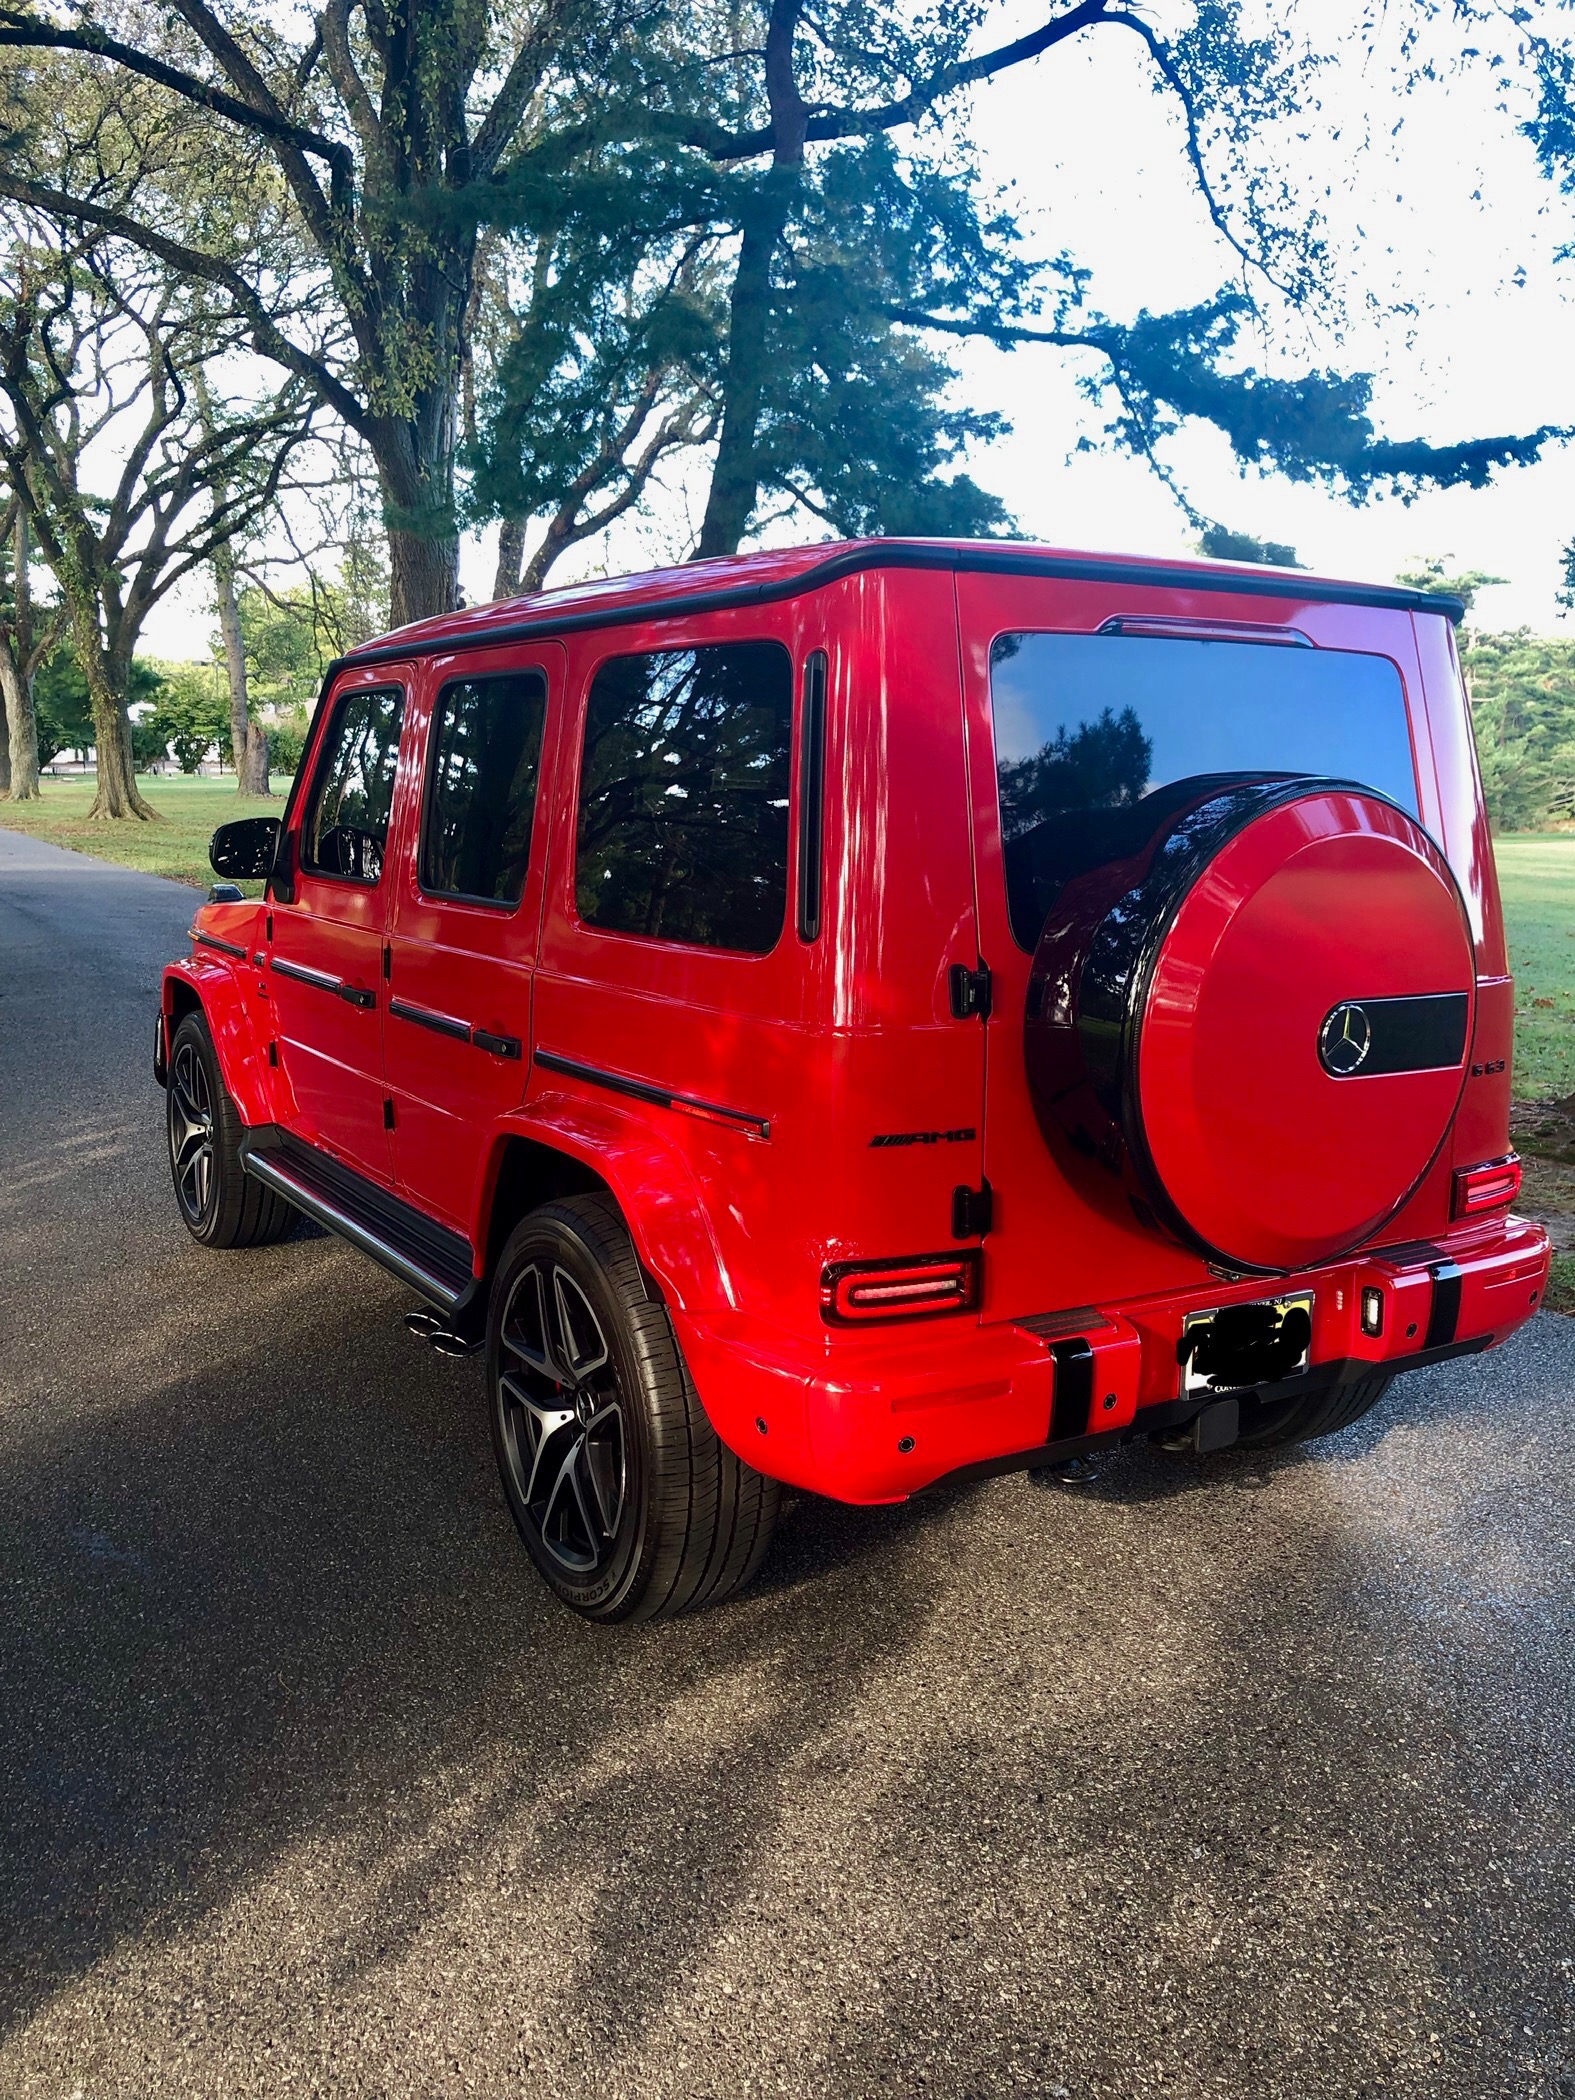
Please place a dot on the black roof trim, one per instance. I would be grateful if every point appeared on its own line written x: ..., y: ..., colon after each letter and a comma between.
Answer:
x: 897, y: 554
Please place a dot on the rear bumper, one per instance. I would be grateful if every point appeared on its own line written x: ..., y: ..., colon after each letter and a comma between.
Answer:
x: 876, y: 1417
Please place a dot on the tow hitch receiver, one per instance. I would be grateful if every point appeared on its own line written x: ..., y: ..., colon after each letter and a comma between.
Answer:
x: 1218, y: 1426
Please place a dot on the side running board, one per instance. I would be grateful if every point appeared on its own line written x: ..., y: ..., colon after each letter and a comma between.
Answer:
x: 432, y: 1260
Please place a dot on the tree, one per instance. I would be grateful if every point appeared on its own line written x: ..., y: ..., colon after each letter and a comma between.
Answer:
x: 1523, y: 712
x: 1219, y: 543
x: 824, y: 149
x: 817, y: 151
x: 378, y: 106
x: 191, y: 714
x: 26, y: 638
x: 100, y: 353
x: 1434, y: 574
x: 64, y: 706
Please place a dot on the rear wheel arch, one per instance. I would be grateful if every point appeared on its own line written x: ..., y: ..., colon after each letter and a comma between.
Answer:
x: 522, y: 1174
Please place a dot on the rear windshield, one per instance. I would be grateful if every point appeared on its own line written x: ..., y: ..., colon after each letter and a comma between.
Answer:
x: 1090, y: 723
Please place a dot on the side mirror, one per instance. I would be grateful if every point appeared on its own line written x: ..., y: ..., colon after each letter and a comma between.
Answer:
x: 244, y: 850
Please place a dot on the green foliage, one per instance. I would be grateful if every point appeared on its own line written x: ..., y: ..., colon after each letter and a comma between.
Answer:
x: 193, y: 713
x: 284, y: 654
x: 65, y: 711
x: 1434, y: 574
x: 1221, y: 544
x: 287, y: 735
x: 1523, y: 710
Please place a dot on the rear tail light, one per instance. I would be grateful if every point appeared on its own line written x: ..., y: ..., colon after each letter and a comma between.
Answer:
x: 1487, y: 1187
x: 913, y: 1288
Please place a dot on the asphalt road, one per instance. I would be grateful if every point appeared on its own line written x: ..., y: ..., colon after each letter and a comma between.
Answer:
x: 1214, y: 1779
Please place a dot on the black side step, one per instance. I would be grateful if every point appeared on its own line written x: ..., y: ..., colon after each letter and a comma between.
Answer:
x: 420, y: 1252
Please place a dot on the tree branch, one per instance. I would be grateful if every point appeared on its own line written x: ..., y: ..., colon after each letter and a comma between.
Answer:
x: 26, y: 31
x: 267, y: 337
x: 907, y: 109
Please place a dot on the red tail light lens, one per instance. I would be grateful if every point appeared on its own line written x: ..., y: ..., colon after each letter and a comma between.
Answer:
x: 913, y: 1288
x: 1487, y: 1187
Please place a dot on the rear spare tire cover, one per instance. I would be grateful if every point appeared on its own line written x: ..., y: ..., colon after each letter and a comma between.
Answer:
x: 1254, y: 1010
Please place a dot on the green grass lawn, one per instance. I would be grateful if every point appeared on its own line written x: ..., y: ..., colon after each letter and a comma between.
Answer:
x: 1537, y: 877
x: 192, y: 810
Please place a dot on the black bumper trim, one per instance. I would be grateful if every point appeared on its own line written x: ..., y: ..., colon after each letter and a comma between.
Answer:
x: 1174, y: 1414
x: 1444, y: 1318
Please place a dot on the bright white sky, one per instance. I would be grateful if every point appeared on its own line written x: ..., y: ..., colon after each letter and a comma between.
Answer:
x: 1450, y: 214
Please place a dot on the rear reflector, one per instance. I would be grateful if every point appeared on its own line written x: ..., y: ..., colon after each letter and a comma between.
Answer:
x: 912, y: 1288
x: 1487, y: 1187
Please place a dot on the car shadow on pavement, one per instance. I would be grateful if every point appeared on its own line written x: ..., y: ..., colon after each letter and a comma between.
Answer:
x: 277, y: 1683
x: 270, y: 1602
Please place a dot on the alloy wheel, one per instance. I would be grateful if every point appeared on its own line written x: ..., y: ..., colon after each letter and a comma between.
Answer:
x: 191, y: 1133
x: 562, y: 1418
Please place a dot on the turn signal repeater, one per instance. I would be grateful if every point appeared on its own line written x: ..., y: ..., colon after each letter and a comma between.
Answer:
x: 1488, y: 1187
x: 913, y: 1287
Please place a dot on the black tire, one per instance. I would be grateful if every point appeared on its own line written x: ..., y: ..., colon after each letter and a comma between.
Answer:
x: 627, y: 1500
x: 219, y: 1202
x: 1323, y: 1413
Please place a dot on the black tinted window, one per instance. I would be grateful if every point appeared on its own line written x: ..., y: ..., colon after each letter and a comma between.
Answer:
x: 481, y: 789
x: 1087, y: 725
x: 684, y: 796
x: 345, y: 828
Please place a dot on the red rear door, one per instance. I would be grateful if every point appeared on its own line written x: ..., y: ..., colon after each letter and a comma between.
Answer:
x: 467, y: 908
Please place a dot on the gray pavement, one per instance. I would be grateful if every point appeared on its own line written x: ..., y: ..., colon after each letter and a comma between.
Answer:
x: 1216, y: 1779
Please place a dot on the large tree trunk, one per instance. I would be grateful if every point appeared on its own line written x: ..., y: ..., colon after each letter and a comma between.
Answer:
x: 118, y: 794
x: 511, y: 553
x: 735, y: 478
x: 23, y: 720
x: 248, y: 740
x: 423, y: 574
x: 19, y: 658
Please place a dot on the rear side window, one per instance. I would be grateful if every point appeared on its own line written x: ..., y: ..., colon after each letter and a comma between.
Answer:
x: 1089, y: 724
x: 683, y: 830
x: 345, y: 828
x: 481, y: 787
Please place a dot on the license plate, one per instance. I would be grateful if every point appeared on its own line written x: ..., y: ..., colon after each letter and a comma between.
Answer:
x: 1245, y: 1345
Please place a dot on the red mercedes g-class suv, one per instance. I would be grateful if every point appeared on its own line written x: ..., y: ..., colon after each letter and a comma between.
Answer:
x: 861, y: 1015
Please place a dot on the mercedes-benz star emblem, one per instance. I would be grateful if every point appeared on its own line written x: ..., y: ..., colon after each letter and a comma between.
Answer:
x: 1345, y: 1039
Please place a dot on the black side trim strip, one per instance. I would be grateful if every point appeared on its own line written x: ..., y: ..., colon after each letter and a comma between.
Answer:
x: 423, y: 1016
x: 211, y: 940
x: 911, y: 554
x: 642, y: 1090
x: 302, y: 975
x: 1445, y: 1316
x: 1074, y: 1387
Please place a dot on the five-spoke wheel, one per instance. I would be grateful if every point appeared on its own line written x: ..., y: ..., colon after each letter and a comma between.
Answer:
x: 191, y: 1133
x: 221, y: 1204
x: 561, y: 1416
x: 629, y: 1504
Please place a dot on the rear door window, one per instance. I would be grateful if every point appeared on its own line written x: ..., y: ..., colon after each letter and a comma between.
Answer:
x: 683, y: 825
x: 481, y: 790
x: 1089, y: 725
